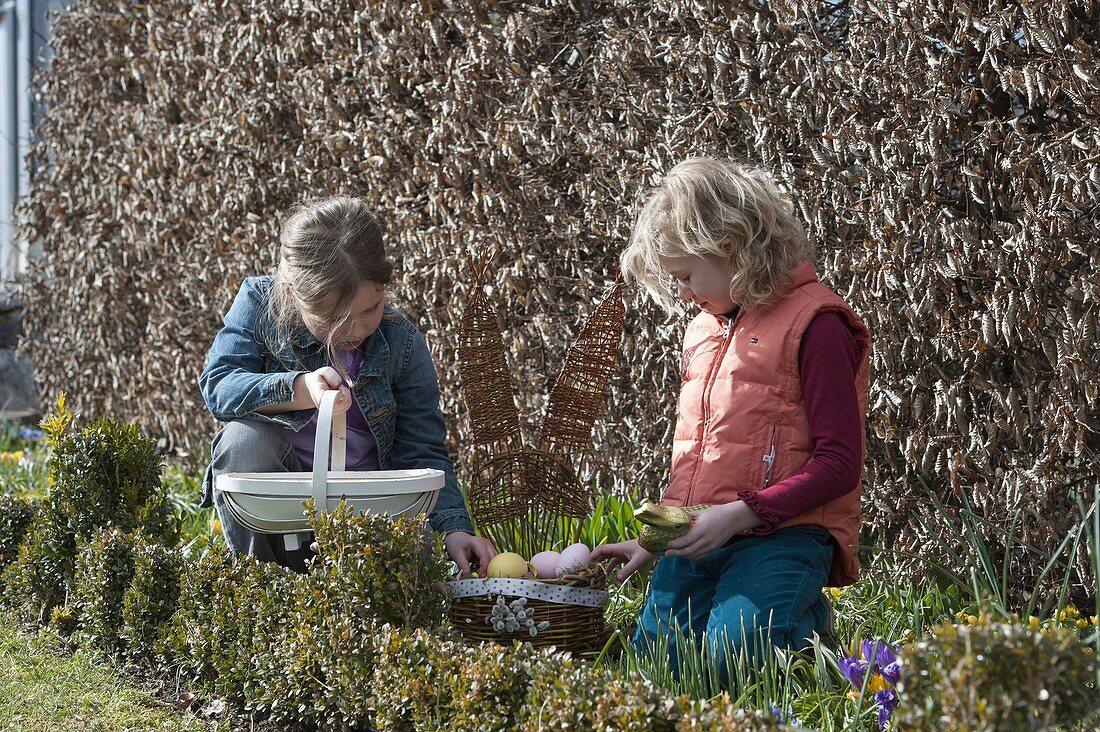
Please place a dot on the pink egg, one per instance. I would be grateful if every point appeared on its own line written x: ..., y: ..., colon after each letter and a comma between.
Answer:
x: 574, y: 556
x: 545, y: 563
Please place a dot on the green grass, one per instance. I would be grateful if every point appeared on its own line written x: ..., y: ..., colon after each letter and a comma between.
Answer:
x: 23, y: 470
x: 43, y: 687
x: 809, y: 684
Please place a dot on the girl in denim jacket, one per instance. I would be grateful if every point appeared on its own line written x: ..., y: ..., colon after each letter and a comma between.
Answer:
x: 768, y: 447
x: 321, y: 323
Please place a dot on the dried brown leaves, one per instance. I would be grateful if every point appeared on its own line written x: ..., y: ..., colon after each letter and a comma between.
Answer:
x: 945, y: 157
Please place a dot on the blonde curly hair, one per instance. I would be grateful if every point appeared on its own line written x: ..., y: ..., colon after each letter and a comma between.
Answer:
x: 718, y: 208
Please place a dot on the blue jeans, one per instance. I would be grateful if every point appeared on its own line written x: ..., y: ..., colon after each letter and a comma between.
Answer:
x: 763, y: 589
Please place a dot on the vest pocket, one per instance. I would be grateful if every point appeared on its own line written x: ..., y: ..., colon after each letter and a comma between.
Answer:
x: 771, y: 440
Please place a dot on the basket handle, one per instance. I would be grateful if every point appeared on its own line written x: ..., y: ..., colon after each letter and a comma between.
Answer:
x: 327, y: 423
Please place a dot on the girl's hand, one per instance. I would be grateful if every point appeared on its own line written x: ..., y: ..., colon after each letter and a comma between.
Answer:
x: 627, y: 553
x: 325, y: 379
x: 713, y: 527
x: 464, y: 547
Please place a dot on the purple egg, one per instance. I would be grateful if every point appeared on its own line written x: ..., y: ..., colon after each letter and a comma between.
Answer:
x: 573, y: 557
x: 546, y: 564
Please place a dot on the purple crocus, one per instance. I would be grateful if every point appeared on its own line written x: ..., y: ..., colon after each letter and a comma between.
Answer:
x: 883, y: 659
x: 887, y: 701
x: 876, y: 668
x: 853, y: 669
x: 785, y: 717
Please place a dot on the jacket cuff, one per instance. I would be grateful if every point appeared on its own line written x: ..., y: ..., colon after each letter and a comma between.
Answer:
x: 454, y: 519
x: 281, y: 387
x: 280, y: 390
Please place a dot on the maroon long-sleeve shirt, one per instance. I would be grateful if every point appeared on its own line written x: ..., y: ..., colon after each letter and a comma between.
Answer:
x: 827, y: 361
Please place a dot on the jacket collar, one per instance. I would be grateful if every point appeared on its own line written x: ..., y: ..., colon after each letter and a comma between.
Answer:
x: 376, y: 352
x: 302, y: 338
x: 804, y: 274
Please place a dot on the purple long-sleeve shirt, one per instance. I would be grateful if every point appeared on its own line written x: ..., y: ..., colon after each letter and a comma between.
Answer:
x: 362, y: 450
x: 827, y: 361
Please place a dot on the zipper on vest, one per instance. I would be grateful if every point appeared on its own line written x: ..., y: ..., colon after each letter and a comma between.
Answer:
x: 711, y: 375
x: 769, y: 458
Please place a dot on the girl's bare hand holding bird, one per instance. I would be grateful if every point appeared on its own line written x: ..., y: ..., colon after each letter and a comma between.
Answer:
x: 712, y: 528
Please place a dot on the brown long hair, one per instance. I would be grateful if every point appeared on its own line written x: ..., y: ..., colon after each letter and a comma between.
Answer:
x: 328, y: 249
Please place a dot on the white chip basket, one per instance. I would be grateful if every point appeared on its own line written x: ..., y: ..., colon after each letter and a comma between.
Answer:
x: 272, y: 503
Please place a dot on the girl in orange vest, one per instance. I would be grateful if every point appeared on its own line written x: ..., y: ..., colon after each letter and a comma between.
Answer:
x: 769, y: 427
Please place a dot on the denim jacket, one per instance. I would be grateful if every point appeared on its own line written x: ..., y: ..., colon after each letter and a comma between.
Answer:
x: 396, y: 388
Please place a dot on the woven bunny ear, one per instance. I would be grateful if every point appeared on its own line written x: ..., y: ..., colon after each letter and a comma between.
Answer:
x: 494, y: 418
x: 578, y: 393
x: 519, y: 496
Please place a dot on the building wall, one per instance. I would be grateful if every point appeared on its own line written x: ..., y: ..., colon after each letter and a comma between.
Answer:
x: 24, y: 35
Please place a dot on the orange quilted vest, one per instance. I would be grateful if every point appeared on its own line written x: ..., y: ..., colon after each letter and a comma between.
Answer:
x: 740, y: 420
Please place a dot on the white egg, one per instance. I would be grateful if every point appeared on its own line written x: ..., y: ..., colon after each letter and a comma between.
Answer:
x: 546, y: 563
x: 574, y: 556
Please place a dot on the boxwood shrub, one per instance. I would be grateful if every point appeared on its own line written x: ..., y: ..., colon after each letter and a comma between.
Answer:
x: 316, y: 658
x: 300, y: 648
x: 411, y: 684
x: 380, y: 568
x: 108, y: 474
x: 224, y: 615
x: 997, y: 676
x: 34, y: 584
x: 104, y: 476
x: 16, y: 514
x: 426, y: 682
x: 151, y: 600
x: 125, y: 590
x: 103, y: 570
x: 567, y: 694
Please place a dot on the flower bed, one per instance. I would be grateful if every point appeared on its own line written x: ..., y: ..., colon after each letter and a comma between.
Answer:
x: 361, y: 641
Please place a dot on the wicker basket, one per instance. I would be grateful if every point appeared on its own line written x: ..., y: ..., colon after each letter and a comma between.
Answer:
x: 566, y: 613
x: 519, y: 493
